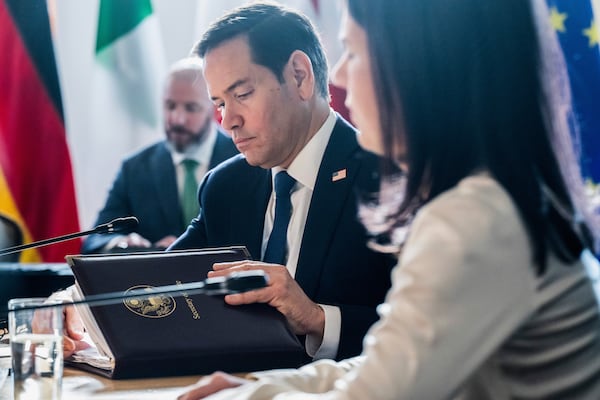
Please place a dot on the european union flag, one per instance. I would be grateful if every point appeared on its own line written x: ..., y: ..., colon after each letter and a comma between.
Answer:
x: 577, y: 30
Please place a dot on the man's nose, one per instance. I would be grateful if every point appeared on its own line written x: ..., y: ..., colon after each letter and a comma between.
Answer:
x: 177, y: 116
x: 230, y: 118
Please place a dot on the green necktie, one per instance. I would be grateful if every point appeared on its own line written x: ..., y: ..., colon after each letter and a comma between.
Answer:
x: 189, y: 199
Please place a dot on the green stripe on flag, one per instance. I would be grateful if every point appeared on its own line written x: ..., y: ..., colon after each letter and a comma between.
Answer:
x: 117, y: 18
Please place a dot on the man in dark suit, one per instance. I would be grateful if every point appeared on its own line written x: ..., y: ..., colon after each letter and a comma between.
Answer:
x: 334, y: 265
x: 150, y: 184
x: 266, y: 72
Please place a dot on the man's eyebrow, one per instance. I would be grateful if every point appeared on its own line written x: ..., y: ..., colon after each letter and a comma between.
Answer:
x: 232, y: 87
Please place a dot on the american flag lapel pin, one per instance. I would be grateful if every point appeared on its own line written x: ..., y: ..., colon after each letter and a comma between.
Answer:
x: 338, y: 175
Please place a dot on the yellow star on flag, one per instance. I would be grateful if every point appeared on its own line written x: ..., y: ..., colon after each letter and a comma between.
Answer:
x: 593, y: 34
x: 557, y: 20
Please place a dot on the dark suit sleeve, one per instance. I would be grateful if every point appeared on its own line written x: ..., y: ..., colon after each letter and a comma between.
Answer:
x: 116, y: 206
x: 356, y: 321
x: 361, y: 277
x: 360, y: 291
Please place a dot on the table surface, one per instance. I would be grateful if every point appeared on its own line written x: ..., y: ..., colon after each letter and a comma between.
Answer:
x: 79, y: 385
x: 83, y: 385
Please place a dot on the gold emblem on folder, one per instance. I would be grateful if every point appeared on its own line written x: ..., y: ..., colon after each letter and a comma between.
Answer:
x: 157, y: 306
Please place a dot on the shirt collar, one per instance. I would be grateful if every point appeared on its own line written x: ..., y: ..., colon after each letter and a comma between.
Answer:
x: 305, y: 167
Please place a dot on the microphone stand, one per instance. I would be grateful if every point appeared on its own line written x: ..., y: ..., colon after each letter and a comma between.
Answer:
x: 116, y: 225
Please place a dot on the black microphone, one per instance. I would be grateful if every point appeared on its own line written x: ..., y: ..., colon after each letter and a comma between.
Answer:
x: 116, y: 225
x: 236, y: 282
x: 123, y: 224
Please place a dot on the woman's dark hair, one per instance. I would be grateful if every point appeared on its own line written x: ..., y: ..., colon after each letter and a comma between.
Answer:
x: 274, y: 32
x: 461, y: 84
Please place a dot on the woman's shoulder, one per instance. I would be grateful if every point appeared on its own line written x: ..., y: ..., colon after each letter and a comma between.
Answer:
x: 480, y: 187
x: 477, y: 209
x: 475, y: 193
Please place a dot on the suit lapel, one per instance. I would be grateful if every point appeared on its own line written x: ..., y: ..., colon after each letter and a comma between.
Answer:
x: 327, y: 203
x: 248, y: 216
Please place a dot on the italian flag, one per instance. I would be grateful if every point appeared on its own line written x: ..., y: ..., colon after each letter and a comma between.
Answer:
x: 126, y: 94
x: 36, y: 180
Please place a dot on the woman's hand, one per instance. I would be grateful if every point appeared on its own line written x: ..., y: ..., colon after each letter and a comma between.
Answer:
x: 211, y: 384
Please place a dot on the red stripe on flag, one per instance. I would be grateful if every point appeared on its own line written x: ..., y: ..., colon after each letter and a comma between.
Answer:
x: 338, y: 97
x: 33, y: 149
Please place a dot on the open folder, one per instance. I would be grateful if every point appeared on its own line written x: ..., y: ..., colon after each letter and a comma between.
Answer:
x: 168, y: 335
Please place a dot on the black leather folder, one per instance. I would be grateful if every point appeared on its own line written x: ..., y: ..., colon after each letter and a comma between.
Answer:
x: 190, y: 334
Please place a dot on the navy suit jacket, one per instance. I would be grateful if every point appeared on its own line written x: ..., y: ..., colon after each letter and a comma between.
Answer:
x: 335, y: 266
x: 146, y: 187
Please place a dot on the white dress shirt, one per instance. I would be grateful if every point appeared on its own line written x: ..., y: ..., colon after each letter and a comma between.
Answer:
x: 304, y: 170
x: 467, y: 317
x: 202, y: 153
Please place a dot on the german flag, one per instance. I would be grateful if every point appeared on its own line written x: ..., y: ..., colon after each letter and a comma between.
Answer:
x: 36, y: 180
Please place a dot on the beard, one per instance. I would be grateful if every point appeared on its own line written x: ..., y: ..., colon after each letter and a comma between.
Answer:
x: 182, y: 139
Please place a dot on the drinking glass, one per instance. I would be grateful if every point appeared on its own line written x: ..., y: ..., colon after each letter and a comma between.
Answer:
x: 36, y: 349
x: 4, y: 357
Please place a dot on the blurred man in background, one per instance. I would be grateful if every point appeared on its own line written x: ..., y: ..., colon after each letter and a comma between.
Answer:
x: 158, y: 184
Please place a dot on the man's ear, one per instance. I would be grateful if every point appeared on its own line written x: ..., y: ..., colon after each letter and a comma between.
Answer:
x: 303, y: 74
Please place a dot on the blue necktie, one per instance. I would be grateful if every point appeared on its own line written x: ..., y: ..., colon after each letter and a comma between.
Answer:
x: 276, y: 246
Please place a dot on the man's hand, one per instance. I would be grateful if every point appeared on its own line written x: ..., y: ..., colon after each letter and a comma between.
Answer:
x: 283, y: 292
x: 132, y: 240
x: 73, y: 328
x: 212, y: 384
x: 165, y: 242
x: 73, y: 332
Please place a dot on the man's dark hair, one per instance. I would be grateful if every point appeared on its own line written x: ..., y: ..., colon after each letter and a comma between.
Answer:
x: 274, y: 32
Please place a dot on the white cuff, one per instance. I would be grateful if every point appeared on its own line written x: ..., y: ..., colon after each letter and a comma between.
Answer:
x: 64, y: 295
x: 328, y: 347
